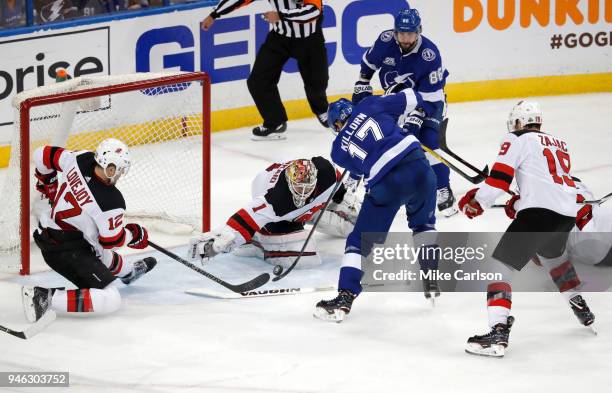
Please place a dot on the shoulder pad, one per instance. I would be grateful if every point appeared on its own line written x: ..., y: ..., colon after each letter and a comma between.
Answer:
x: 386, y: 36
x: 86, y: 162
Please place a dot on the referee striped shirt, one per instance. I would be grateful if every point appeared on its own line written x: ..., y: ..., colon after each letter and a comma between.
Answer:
x: 298, y: 18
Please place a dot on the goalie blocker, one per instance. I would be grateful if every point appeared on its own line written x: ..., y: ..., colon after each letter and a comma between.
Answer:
x: 285, y: 197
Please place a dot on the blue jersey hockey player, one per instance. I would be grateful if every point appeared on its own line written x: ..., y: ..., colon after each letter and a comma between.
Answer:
x: 404, y: 58
x: 370, y: 144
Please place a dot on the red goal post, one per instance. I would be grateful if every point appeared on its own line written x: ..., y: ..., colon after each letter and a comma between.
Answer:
x: 162, y: 117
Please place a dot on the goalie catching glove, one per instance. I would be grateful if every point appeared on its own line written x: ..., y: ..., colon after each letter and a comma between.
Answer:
x: 209, y: 244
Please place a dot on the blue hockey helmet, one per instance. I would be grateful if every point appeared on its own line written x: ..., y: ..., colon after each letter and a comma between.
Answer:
x: 408, y: 21
x: 339, y: 111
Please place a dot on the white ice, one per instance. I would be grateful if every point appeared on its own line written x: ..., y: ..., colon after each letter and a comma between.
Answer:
x: 163, y: 340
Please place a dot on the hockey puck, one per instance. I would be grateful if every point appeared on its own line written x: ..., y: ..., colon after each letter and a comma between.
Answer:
x: 278, y: 270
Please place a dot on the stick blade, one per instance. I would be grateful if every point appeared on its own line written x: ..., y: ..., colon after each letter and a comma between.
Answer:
x: 210, y: 293
x: 40, y: 325
x: 257, y: 282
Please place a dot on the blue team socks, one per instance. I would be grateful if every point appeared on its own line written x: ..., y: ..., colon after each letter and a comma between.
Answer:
x: 350, y: 279
x: 442, y: 174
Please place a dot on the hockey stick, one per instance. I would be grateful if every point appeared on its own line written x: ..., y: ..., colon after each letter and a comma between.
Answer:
x: 278, y: 269
x: 479, y: 178
x: 205, y: 292
x: 447, y: 150
x: 245, y: 287
x: 599, y: 201
x: 34, y: 328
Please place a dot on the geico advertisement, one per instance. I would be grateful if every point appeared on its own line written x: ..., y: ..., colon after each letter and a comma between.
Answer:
x: 479, y: 40
x: 174, y: 41
x: 228, y: 49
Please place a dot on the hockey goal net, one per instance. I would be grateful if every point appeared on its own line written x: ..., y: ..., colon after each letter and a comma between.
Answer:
x: 163, y: 118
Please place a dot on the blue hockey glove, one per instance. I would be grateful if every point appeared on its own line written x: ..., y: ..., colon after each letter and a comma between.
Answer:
x: 414, y: 121
x: 362, y: 90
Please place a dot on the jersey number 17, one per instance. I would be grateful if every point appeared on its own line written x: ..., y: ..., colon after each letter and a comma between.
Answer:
x: 370, y: 126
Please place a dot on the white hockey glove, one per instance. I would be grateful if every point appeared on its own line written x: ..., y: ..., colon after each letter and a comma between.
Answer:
x: 209, y: 244
x: 351, y: 184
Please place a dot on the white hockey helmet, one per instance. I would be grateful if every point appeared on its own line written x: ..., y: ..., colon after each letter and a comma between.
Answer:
x: 116, y: 153
x: 525, y: 112
x: 301, y: 177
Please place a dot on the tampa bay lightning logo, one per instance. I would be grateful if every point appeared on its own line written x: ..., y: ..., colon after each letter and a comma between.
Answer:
x: 428, y: 55
x: 386, y: 36
x: 394, y: 78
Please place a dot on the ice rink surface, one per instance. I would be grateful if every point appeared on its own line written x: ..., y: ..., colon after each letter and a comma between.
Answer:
x: 163, y: 340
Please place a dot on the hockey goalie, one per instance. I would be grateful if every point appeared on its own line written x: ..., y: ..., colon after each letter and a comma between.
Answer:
x: 285, y: 197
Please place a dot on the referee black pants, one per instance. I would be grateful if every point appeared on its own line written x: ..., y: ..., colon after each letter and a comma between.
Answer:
x: 311, y: 56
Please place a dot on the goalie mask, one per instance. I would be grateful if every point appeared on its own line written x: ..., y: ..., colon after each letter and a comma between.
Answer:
x: 114, y: 158
x: 523, y: 114
x: 301, y: 178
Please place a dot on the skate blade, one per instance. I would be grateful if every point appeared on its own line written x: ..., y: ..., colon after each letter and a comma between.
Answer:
x: 271, y: 137
x: 322, y: 314
x: 451, y: 211
x: 497, y: 351
x: 431, y: 296
x: 27, y: 295
x: 592, y: 329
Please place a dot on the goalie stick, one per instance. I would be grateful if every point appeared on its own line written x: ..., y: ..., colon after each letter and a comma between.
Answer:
x: 205, y: 292
x: 278, y: 270
x: 34, y: 328
x: 599, y: 201
x: 245, y: 287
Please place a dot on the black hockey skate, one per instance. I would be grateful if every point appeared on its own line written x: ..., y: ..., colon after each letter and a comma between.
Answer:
x: 431, y: 290
x: 582, y: 311
x: 141, y: 267
x: 263, y: 133
x: 446, y: 202
x: 493, y: 343
x: 36, y: 301
x: 336, y: 309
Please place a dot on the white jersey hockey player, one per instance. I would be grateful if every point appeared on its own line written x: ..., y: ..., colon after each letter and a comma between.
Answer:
x: 285, y: 196
x: 79, y: 235
x: 590, y: 241
x: 546, y: 213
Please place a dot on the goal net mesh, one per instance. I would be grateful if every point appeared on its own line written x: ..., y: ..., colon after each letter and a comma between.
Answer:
x: 163, y: 126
